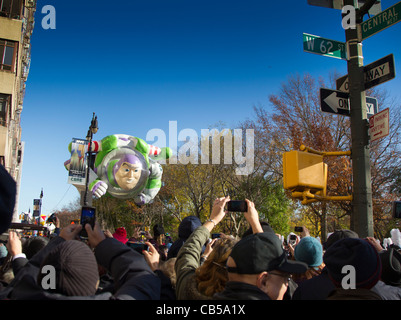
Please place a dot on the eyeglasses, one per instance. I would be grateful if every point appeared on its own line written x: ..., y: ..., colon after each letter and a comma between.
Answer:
x: 286, y: 276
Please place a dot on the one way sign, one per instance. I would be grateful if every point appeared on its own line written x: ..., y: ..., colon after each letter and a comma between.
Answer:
x: 337, y: 102
x: 377, y: 72
x: 334, y: 101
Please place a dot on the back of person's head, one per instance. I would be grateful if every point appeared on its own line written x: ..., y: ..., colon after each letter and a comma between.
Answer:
x: 391, y: 267
x: 338, y: 235
x: 212, y: 274
x: 76, y: 269
x: 359, y: 254
x: 158, y: 230
x: 187, y: 226
x: 33, y: 245
x: 121, y: 235
x: 310, y: 251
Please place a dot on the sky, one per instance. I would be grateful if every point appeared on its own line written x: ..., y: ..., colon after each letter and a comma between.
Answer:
x: 141, y: 64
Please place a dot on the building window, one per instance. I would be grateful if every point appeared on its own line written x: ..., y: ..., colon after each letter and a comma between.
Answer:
x: 5, y: 106
x: 8, y: 53
x: 11, y: 9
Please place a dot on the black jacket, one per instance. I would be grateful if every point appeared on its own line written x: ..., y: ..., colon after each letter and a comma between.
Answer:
x: 132, y: 277
x: 316, y: 288
x: 240, y: 291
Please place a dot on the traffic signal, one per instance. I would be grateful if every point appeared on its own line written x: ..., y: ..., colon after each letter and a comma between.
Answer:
x: 304, y: 171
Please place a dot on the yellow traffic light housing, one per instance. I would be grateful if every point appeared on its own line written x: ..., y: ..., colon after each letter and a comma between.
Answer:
x: 305, y: 174
x: 304, y: 170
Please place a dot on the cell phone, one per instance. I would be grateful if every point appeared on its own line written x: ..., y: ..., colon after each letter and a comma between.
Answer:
x: 88, y: 215
x: 293, y: 239
x: 237, y: 206
x: 215, y: 235
x: 138, y: 246
x: 298, y: 229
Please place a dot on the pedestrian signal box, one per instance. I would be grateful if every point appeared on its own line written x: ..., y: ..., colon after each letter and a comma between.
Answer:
x: 304, y: 171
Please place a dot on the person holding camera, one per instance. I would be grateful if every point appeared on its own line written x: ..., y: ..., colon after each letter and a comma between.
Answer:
x: 193, y: 280
x: 68, y: 269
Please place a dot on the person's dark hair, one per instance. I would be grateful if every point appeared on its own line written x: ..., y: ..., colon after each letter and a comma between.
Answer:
x: 33, y: 245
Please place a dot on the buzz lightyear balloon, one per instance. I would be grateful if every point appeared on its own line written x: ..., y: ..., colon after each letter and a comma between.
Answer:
x: 127, y: 167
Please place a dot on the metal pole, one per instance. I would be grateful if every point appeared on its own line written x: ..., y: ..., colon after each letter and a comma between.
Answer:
x: 362, y: 209
x: 92, y: 129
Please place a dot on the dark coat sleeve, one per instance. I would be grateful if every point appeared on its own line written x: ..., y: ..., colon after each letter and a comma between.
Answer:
x: 132, y: 276
x: 33, y: 265
x: 18, y: 264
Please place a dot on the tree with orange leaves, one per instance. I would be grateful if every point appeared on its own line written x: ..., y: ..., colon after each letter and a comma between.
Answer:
x: 296, y: 119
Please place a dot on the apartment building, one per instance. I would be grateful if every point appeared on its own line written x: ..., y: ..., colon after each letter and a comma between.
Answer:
x: 16, y: 27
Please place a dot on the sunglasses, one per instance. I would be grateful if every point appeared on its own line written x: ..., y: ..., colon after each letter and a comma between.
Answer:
x: 286, y: 276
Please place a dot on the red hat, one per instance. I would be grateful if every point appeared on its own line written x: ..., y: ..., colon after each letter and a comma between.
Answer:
x: 121, y: 235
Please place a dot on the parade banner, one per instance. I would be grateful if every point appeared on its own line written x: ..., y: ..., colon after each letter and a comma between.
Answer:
x: 77, y: 167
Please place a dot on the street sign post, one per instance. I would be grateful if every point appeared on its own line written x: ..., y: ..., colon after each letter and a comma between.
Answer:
x: 377, y: 72
x: 379, y: 125
x: 325, y: 47
x: 337, y: 102
x: 380, y: 21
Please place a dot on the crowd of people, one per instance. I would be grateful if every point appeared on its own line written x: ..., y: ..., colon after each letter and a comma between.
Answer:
x: 259, y: 265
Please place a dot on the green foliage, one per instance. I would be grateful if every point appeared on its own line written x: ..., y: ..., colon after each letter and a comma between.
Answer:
x: 276, y: 208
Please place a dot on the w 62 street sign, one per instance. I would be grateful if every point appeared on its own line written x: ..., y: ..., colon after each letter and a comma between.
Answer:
x: 324, y: 47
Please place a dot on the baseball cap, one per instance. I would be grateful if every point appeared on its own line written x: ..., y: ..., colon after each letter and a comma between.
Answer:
x: 262, y: 252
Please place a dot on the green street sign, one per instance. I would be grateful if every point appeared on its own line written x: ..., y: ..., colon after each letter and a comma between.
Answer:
x: 325, y: 47
x: 381, y: 21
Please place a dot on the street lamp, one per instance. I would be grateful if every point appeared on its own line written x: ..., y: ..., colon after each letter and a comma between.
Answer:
x: 93, y: 128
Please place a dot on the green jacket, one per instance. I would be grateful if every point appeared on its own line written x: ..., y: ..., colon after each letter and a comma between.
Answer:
x: 188, y: 260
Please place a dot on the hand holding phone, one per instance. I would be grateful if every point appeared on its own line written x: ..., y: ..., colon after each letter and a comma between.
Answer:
x: 237, y: 206
x: 218, y: 212
x: 95, y: 235
x: 252, y: 216
x: 293, y: 239
x: 88, y: 215
x: 138, y: 246
x: 71, y: 232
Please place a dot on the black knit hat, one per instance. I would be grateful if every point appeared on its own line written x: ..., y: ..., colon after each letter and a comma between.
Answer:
x: 391, y: 264
x: 76, y: 269
x: 262, y: 252
x: 357, y: 253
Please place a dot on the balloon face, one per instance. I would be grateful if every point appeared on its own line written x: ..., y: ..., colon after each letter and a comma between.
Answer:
x: 125, y: 171
x: 128, y: 175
